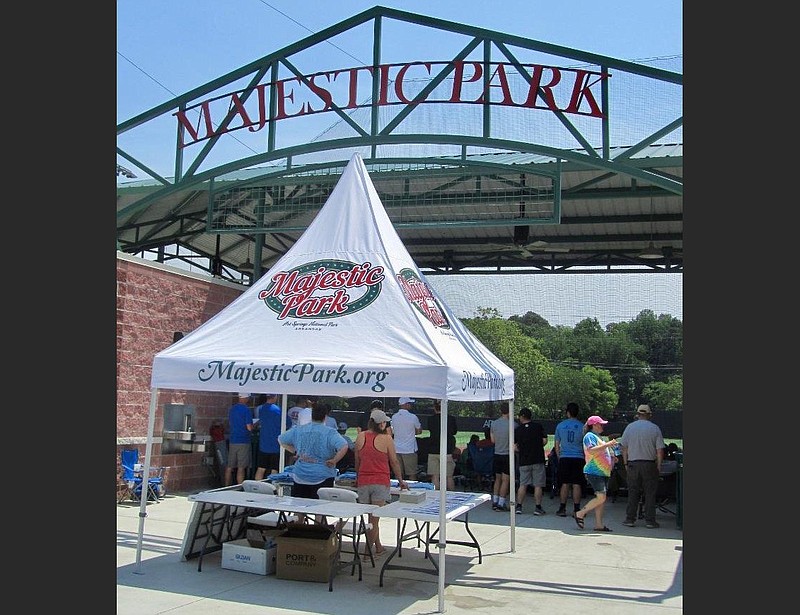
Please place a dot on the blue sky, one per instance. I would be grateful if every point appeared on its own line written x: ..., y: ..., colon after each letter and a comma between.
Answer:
x: 167, y: 48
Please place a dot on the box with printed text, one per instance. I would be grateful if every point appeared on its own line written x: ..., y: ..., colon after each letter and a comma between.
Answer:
x: 306, y: 553
x: 239, y: 555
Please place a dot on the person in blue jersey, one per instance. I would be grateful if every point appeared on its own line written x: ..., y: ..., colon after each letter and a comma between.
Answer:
x: 568, y: 442
x: 240, y: 424
x: 269, y: 428
x: 597, y: 468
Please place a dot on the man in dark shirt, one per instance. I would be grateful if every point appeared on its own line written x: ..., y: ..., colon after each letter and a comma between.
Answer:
x: 529, y: 441
x: 435, y: 428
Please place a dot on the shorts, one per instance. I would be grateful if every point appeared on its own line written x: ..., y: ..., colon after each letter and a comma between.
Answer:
x: 500, y: 464
x: 533, y: 475
x: 239, y: 455
x: 433, y: 465
x: 408, y: 464
x: 310, y: 491
x: 570, y: 471
x: 374, y: 494
x: 598, y: 483
x: 269, y: 461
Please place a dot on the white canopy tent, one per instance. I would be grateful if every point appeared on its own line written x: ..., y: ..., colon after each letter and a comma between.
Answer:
x: 345, y: 312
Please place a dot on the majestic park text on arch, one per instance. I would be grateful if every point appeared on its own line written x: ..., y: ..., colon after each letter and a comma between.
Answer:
x: 566, y: 90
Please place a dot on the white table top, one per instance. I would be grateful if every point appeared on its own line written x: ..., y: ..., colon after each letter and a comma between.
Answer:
x: 458, y: 503
x: 265, y: 501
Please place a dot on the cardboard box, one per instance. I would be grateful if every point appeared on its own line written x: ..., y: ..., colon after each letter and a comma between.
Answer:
x: 306, y: 553
x: 413, y: 496
x: 239, y: 555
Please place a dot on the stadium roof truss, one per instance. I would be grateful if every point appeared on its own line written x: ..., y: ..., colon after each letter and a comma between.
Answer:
x: 501, y: 155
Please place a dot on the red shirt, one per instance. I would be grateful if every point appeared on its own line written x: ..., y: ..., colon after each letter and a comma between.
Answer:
x: 373, y: 465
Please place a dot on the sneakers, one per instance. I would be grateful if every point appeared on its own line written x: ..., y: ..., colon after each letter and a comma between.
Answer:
x: 518, y: 509
x: 629, y: 523
x: 539, y: 511
x: 562, y: 511
x: 651, y: 525
x: 495, y: 506
x: 503, y: 508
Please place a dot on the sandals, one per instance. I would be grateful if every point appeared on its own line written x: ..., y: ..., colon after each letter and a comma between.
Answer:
x: 578, y: 520
x: 605, y: 528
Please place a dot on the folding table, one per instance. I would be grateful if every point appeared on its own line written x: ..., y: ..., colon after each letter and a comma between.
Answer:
x: 457, y: 504
x: 222, y: 513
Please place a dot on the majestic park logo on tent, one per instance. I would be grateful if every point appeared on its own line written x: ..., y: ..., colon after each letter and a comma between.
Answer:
x: 304, y: 292
x: 421, y: 297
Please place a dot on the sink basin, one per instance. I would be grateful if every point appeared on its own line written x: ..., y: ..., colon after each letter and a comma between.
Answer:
x: 179, y: 435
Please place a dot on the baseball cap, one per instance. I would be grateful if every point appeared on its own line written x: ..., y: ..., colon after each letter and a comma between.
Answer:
x: 644, y: 409
x: 376, y: 403
x: 342, y: 426
x: 244, y: 395
x: 406, y: 400
x: 379, y: 416
x: 593, y: 420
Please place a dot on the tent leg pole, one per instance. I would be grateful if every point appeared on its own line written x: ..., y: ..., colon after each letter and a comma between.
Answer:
x: 151, y: 420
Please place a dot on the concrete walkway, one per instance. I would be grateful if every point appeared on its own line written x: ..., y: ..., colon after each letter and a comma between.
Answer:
x: 555, y: 568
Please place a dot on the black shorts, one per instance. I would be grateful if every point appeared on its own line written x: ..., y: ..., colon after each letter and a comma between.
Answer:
x: 570, y: 471
x: 270, y: 461
x: 310, y: 491
x: 500, y: 464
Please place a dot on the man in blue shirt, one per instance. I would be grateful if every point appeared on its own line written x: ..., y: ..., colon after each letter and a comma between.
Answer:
x: 240, y: 424
x: 269, y: 428
x: 568, y: 442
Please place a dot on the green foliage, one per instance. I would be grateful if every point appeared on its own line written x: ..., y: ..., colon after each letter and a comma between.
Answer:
x: 618, y: 368
x: 517, y: 350
x: 665, y: 395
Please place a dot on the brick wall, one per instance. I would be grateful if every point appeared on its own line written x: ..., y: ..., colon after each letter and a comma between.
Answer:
x: 153, y: 302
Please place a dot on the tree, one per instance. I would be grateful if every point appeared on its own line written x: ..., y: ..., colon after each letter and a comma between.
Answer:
x: 665, y: 395
x: 520, y: 352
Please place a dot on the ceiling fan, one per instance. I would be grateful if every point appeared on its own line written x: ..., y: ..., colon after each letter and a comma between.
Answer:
x: 526, y: 248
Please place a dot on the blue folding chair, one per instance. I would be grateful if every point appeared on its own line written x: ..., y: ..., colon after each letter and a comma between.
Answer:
x: 132, y: 479
x: 480, y: 476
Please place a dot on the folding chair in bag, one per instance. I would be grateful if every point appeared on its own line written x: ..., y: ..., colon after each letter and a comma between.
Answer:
x: 480, y: 477
x: 132, y: 478
x: 352, y: 528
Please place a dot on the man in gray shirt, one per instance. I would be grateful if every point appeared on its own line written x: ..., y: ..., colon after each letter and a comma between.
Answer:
x: 642, y: 451
x: 499, y: 435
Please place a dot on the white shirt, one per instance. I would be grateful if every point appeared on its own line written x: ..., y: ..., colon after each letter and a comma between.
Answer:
x: 404, y: 429
x: 292, y: 414
x: 304, y: 416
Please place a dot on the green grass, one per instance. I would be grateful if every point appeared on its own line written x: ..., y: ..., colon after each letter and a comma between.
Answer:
x: 462, y: 438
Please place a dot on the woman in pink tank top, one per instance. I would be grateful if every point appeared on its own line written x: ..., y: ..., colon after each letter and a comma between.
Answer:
x: 375, y: 456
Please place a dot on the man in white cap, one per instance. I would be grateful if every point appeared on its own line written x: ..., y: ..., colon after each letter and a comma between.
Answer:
x: 240, y: 424
x: 405, y: 428
x: 642, y: 452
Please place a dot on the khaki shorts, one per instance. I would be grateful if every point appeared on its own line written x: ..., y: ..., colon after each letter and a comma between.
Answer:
x: 408, y: 464
x: 239, y: 455
x: 433, y: 465
x: 373, y: 494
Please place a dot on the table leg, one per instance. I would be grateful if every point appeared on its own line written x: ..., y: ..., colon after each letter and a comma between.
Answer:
x: 395, y: 551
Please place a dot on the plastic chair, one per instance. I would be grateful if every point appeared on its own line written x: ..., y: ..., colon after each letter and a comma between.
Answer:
x: 273, y: 519
x: 348, y: 528
x: 481, y: 475
x: 132, y: 478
